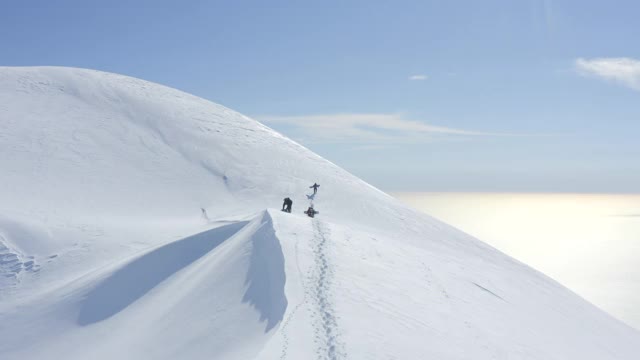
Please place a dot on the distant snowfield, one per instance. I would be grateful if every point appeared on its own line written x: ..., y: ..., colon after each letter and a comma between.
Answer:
x: 588, y: 242
x: 141, y: 222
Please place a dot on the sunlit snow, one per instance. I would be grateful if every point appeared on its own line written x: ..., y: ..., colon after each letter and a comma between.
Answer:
x: 141, y: 222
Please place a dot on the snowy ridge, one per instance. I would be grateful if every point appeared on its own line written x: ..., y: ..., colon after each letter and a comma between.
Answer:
x: 138, y: 222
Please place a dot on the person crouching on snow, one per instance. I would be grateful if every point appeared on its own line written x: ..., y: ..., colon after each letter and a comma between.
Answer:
x: 286, y: 206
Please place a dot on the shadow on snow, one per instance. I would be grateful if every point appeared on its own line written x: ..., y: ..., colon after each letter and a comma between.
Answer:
x: 266, y: 277
x: 135, y: 279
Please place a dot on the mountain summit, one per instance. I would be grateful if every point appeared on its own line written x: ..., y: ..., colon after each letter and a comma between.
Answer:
x: 141, y: 222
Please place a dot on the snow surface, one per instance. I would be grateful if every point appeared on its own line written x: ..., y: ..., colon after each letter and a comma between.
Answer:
x: 141, y: 222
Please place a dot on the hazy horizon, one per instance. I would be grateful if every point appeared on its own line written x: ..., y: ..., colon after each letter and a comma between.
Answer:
x: 590, y: 243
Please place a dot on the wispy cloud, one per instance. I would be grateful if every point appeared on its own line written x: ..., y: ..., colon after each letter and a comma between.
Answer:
x: 625, y: 71
x: 366, y: 128
x: 418, y: 77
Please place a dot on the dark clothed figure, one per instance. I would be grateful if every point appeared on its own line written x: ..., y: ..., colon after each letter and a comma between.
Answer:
x: 311, y: 212
x: 286, y: 206
x: 315, y: 187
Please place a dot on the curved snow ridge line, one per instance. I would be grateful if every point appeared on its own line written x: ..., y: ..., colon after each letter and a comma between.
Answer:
x: 137, y: 277
x: 266, y: 276
x: 127, y: 282
x: 326, y: 327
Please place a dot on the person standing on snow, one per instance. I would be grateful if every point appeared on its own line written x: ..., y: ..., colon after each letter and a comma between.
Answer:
x: 314, y: 187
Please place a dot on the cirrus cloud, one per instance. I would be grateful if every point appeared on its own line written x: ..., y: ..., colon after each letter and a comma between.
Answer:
x: 365, y: 128
x: 418, y: 77
x: 624, y: 71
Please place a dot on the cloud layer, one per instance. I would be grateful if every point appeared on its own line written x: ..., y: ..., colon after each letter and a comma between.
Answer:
x: 364, y: 128
x: 625, y: 71
x: 418, y: 77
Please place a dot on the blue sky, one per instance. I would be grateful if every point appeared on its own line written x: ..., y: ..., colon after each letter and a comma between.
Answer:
x: 536, y: 95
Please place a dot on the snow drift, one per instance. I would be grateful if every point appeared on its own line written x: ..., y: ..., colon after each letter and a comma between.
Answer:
x: 137, y: 222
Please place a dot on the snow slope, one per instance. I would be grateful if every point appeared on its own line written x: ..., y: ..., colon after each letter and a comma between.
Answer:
x: 141, y: 222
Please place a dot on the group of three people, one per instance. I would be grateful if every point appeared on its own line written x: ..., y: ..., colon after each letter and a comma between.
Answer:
x: 288, y: 203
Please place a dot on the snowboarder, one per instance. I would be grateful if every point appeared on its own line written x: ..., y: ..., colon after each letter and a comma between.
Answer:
x: 286, y: 206
x: 311, y: 212
x: 315, y: 187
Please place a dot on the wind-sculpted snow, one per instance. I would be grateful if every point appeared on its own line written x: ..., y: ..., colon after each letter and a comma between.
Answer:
x: 266, y: 277
x: 141, y: 275
x: 137, y: 222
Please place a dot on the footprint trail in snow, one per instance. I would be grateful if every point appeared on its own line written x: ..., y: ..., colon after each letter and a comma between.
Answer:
x: 325, y: 324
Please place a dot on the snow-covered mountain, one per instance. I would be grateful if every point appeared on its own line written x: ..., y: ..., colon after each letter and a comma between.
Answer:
x: 141, y: 222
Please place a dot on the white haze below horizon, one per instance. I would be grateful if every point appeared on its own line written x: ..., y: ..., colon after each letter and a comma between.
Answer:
x: 588, y: 242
